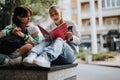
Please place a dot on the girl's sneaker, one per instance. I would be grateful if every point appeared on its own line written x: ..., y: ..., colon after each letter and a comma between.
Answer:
x: 28, y: 61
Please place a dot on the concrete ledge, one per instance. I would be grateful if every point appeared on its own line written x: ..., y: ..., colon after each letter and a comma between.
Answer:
x: 56, y: 72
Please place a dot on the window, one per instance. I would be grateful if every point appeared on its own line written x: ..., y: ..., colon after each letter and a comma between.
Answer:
x: 108, y: 22
x: 88, y: 23
x: 87, y: 7
x: 113, y: 3
x: 110, y: 3
x: 115, y: 21
x: 118, y: 2
x: 112, y: 21
x: 103, y: 3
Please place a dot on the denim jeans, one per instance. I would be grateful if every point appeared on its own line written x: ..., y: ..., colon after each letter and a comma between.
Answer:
x: 2, y: 58
x: 59, y: 49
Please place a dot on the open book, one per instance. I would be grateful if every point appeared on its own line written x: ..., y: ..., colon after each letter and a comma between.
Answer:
x: 60, y: 31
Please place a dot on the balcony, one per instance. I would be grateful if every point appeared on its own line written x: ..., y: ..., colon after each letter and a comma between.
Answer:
x: 87, y: 14
x: 111, y: 12
x: 85, y: 0
x: 105, y: 13
x: 100, y: 30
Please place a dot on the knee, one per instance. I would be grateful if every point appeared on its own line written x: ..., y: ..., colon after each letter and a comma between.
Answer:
x: 28, y: 46
x: 59, y: 39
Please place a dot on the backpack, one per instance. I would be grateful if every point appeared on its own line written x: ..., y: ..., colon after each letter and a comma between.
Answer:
x: 9, y: 44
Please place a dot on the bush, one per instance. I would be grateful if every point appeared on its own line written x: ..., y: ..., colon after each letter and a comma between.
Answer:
x: 82, y: 55
x: 97, y: 57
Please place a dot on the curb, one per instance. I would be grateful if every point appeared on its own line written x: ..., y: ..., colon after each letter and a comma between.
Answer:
x: 115, y: 66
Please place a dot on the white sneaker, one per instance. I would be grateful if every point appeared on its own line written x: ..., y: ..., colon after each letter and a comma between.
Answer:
x: 29, y: 59
x: 41, y: 61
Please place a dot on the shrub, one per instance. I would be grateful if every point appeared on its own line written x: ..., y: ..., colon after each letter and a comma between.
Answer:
x: 97, y: 57
x: 82, y: 55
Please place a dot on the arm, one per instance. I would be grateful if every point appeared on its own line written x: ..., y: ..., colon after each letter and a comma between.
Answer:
x: 2, y: 33
x: 7, y: 30
x: 31, y: 38
x: 75, y: 34
x: 34, y: 34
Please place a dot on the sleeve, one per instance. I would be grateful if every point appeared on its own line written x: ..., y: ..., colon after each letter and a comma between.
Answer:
x: 2, y: 33
x: 7, y: 30
x: 76, y: 34
x: 31, y: 31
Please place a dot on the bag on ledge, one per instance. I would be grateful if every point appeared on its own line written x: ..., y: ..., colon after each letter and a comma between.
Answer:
x: 9, y: 44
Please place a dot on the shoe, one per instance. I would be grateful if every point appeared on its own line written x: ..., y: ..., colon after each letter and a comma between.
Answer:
x: 13, y: 61
x: 42, y: 61
x: 28, y: 61
x: 15, y: 54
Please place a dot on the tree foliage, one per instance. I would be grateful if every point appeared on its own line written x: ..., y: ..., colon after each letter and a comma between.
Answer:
x: 6, y: 9
x: 39, y: 7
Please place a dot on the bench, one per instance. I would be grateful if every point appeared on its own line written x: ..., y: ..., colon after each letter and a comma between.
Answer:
x: 55, y: 72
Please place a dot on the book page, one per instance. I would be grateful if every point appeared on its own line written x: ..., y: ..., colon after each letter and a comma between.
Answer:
x: 44, y: 32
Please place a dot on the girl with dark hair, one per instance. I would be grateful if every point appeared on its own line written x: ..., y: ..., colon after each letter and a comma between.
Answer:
x: 26, y: 35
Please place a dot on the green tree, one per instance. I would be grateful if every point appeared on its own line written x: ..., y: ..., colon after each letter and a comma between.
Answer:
x: 6, y: 10
x: 39, y: 7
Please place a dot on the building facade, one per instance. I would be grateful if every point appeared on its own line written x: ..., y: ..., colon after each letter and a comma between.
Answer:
x: 106, y: 21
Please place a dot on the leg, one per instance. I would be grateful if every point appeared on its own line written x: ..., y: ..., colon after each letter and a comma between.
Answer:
x: 60, y: 48
x: 25, y: 49
x: 74, y: 47
x: 35, y: 51
x: 16, y: 57
x: 68, y: 56
x: 2, y: 59
x: 21, y: 51
x: 39, y: 48
x: 57, y: 49
x: 6, y: 60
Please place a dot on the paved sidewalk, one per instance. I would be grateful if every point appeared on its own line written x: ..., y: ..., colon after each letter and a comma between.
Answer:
x: 95, y: 72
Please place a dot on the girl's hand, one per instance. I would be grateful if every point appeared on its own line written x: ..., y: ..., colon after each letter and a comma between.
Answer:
x: 69, y: 36
x: 17, y: 31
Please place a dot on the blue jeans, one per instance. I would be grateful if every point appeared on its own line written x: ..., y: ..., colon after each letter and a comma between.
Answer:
x: 58, y: 50
x: 2, y: 58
